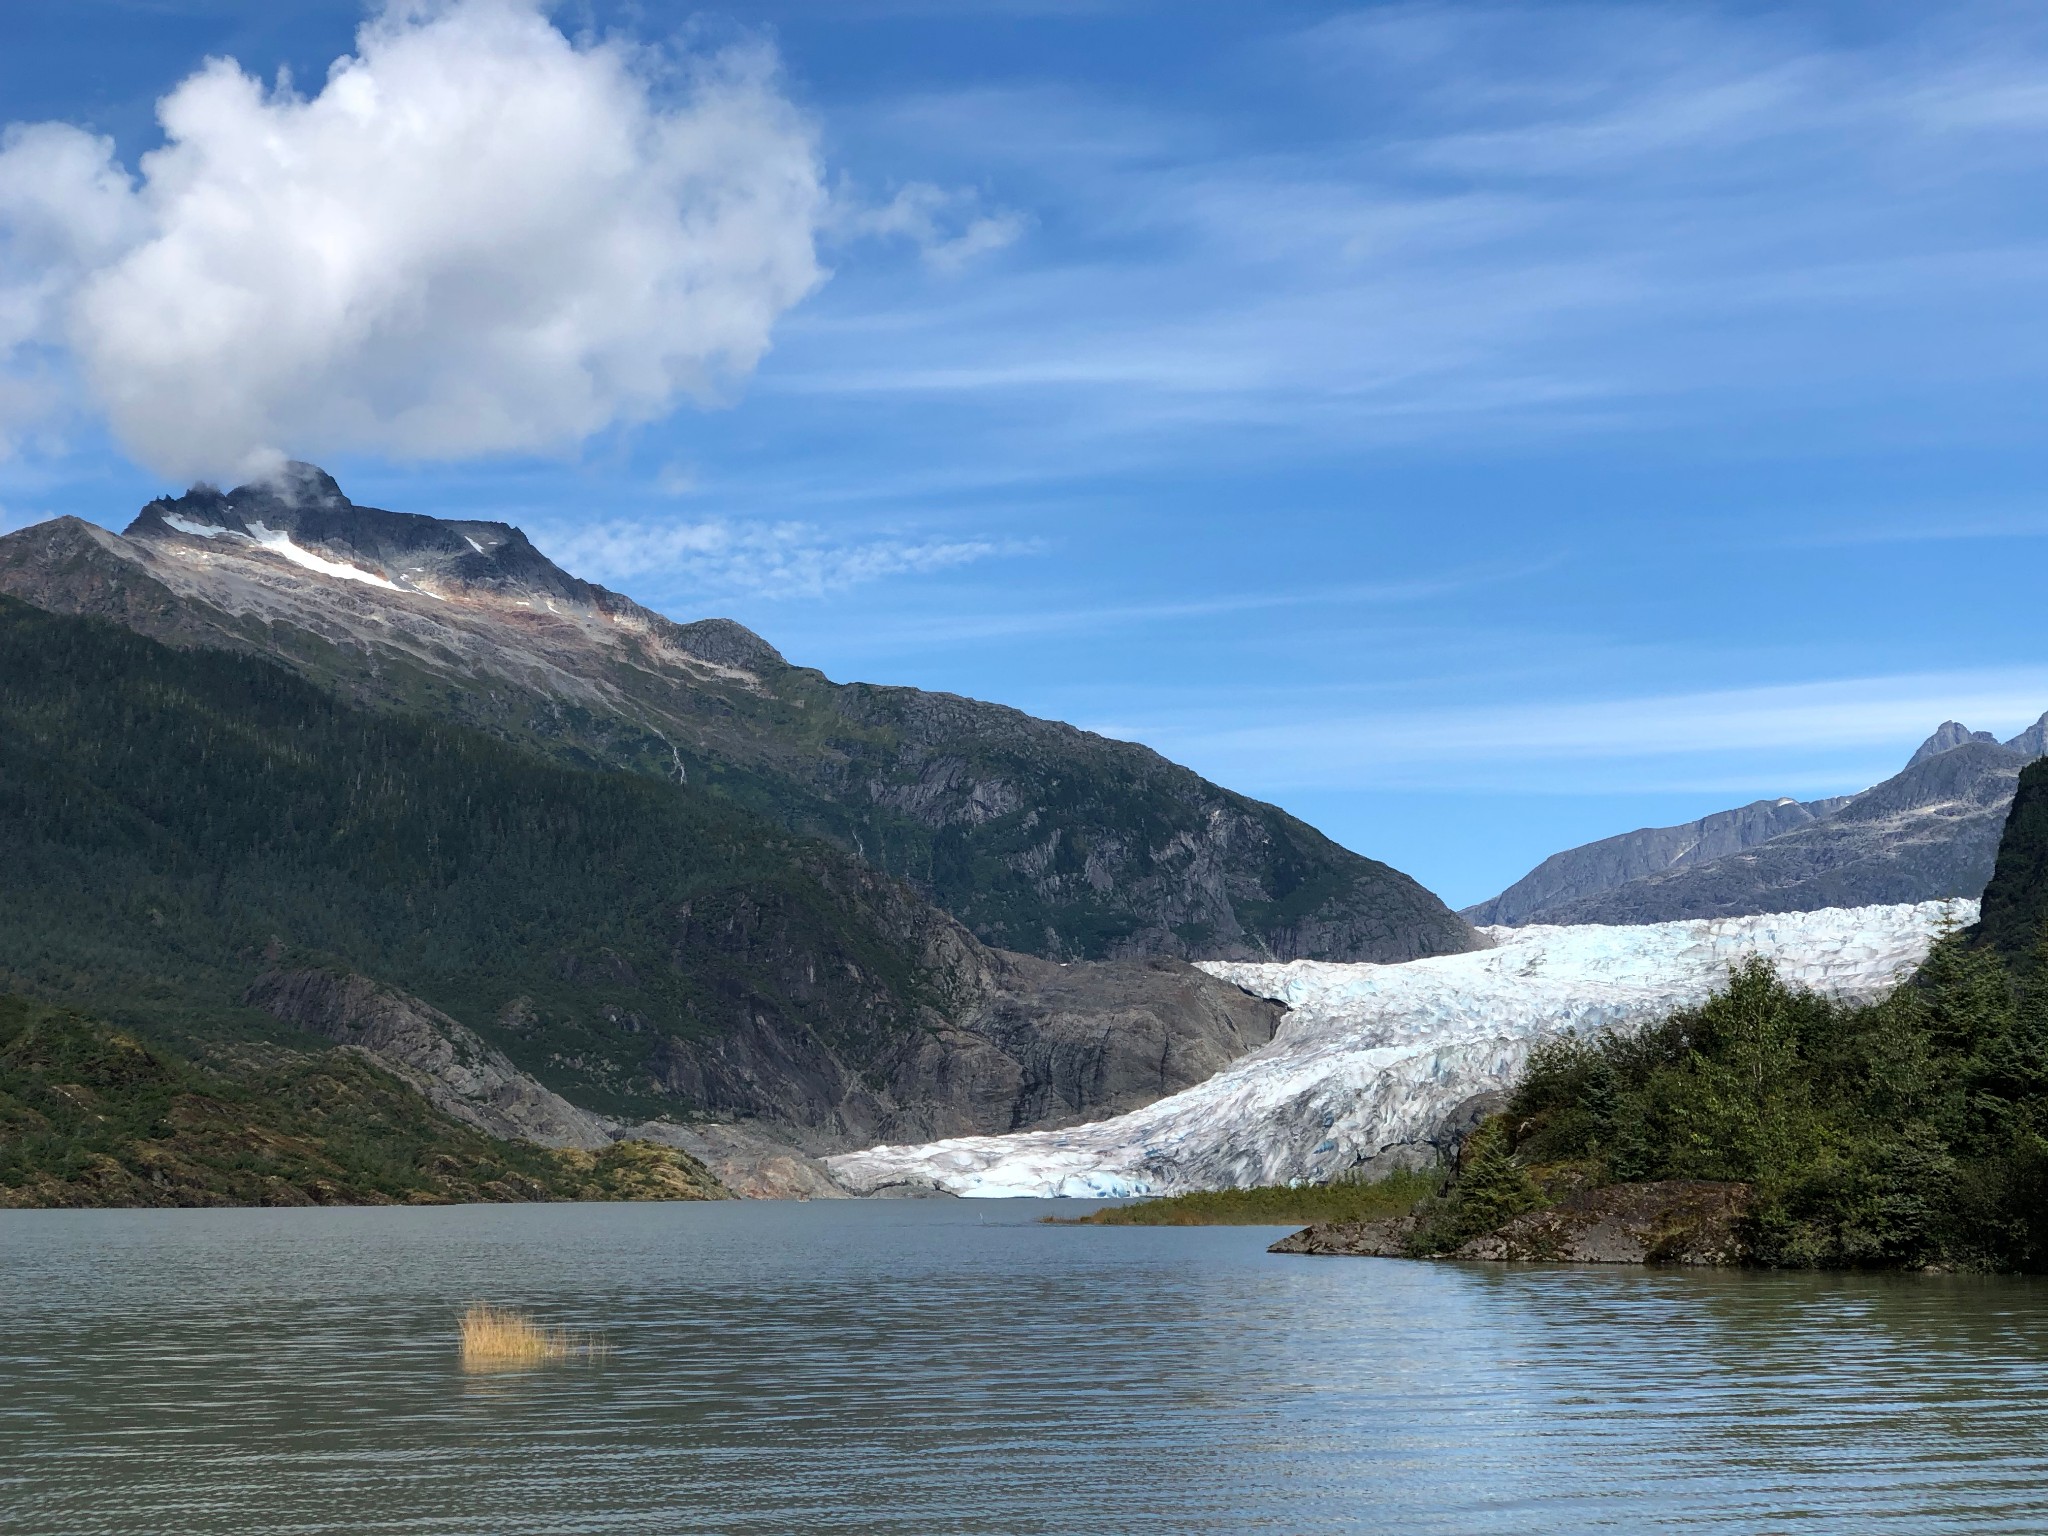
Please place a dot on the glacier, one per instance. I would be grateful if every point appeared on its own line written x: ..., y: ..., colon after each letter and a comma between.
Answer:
x: 1371, y: 1059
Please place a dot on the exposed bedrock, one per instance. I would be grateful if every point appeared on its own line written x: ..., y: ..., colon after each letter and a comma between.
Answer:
x: 1044, y: 1044
x: 446, y: 1062
x: 1928, y: 833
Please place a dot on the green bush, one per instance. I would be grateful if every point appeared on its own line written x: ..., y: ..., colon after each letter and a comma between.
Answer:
x: 1272, y: 1204
x: 1912, y: 1131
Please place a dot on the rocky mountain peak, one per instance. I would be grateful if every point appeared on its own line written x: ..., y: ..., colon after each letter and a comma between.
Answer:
x: 299, y: 484
x: 729, y: 644
x: 2033, y: 741
x: 302, y: 514
x: 1947, y: 736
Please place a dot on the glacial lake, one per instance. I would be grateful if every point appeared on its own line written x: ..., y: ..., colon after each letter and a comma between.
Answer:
x: 956, y: 1366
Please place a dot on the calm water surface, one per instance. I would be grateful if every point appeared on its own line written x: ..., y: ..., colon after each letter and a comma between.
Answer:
x: 957, y: 1367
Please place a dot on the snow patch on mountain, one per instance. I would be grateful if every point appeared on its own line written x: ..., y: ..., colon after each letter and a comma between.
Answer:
x: 278, y: 542
x: 1372, y: 1058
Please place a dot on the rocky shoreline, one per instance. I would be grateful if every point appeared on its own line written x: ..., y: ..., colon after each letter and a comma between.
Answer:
x: 1675, y: 1221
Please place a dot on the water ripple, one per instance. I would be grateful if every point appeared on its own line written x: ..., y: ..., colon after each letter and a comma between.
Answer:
x: 956, y: 1367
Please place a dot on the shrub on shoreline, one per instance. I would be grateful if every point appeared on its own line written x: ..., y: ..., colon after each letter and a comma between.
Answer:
x: 1906, y: 1133
x: 1271, y: 1205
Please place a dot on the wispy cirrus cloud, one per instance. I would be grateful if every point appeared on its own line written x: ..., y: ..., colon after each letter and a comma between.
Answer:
x: 949, y: 226
x: 1814, y: 735
x: 1497, y: 219
x: 929, y: 629
x: 719, y: 557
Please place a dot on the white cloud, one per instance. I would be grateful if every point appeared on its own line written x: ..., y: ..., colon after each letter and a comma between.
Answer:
x: 477, y: 237
x: 949, y: 228
x: 721, y: 557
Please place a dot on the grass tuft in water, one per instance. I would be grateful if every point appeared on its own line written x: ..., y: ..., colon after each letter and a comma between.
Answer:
x: 504, y: 1339
x: 1273, y: 1205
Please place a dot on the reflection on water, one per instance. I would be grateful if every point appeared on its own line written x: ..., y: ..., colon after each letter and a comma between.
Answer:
x: 956, y: 1367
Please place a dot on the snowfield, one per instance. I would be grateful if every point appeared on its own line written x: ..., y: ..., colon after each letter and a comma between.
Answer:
x: 1373, y: 1058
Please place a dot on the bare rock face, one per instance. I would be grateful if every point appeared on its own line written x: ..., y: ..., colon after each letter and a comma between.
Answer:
x: 1583, y: 872
x: 1090, y: 1040
x: 1042, y: 1045
x: 444, y: 1061
x: 1928, y: 833
x: 1947, y: 736
x: 752, y: 1165
x: 459, y: 1074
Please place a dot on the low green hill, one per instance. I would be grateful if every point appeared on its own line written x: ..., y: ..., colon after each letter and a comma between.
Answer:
x: 92, y: 1116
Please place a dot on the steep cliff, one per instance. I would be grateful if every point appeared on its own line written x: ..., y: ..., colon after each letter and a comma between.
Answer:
x: 2015, y: 920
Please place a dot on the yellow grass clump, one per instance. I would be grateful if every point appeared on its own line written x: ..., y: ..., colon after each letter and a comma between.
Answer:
x: 504, y: 1339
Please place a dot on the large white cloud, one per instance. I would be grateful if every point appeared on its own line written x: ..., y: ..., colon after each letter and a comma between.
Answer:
x: 479, y: 236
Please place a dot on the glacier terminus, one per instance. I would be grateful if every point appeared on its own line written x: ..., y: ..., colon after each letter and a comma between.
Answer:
x: 1371, y: 1061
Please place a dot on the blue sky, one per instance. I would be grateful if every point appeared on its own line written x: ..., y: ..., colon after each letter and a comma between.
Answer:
x: 1477, y: 429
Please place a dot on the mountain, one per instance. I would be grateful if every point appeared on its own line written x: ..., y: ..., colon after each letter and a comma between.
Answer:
x: 207, y: 850
x: 1614, y: 861
x: 1931, y: 831
x: 1039, y: 837
x: 1947, y: 736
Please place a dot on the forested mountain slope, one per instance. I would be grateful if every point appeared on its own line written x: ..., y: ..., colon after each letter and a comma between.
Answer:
x: 180, y: 823
x: 1038, y: 836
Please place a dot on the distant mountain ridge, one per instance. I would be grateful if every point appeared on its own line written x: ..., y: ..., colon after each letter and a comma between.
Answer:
x: 1039, y: 837
x: 1928, y: 832
x: 1615, y: 861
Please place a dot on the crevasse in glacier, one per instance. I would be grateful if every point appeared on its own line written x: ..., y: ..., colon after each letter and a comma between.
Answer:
x: 1371, y: 1058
